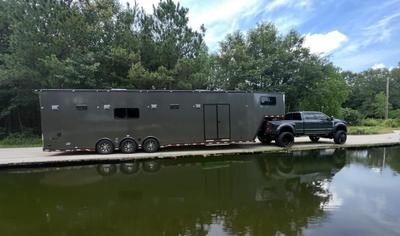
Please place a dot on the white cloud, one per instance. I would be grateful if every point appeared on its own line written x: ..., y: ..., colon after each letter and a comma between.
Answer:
x: 226, y: 16
x: 324, y: 43
x: 275, y: 4
x: 381, y: 30
x: 378, y: 66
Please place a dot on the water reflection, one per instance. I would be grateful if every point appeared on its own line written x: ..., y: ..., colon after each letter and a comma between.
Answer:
x: 281, y: 194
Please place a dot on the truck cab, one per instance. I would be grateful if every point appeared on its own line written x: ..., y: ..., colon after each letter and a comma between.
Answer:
x: 314, y: 124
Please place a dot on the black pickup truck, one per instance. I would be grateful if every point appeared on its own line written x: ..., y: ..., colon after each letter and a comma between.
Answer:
x: 316, y: 125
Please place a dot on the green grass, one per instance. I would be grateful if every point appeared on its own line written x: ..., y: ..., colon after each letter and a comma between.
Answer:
x: 20, y: 140
x: 354, y: 130
x: 375, y: 126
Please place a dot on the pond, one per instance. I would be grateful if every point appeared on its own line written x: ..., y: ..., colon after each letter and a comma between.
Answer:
x: 327, y: 192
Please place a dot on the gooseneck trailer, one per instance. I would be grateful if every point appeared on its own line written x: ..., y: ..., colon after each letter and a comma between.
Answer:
x: 127, y: 120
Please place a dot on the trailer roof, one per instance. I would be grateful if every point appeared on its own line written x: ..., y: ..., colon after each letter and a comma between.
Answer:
x: 147, y: 91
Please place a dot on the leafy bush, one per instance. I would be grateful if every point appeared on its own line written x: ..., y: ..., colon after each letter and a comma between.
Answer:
x: 353, y: 117
x: 371, y: 122
x: 393, y: 123
x: 394, y: 114
x: 21, y: 139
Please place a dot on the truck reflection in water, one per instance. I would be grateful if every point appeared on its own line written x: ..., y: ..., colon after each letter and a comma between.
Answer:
x: 256, y: 195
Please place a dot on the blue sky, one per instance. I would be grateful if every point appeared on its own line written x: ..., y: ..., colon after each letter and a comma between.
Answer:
x: 354, y: 34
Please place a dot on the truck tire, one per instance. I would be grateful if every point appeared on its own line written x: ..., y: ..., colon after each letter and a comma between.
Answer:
x: 128, y: 146
x: 314, y: 139
x: 104, y: 146
x: 264, y: 139
x: 340, y: 137
x: 285, y: 139
x: 150, y: 145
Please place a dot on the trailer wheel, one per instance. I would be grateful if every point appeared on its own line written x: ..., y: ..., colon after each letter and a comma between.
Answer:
x: 104, y: 147
x: 285, y: 139
x: 314, y: 139
x: 128, y: 146
x: 150, y: 145
x: 264, y: 139
x: 340, y: 137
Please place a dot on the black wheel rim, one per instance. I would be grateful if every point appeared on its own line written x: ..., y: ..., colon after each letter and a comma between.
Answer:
x: 105, y: 147
x: 151, y: 145
x: 128, y: 147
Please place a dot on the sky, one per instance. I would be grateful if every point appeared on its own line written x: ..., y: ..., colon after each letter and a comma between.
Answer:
x: 354, y: 34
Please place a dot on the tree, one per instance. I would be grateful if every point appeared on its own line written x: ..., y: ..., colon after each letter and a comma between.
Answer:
x: 378, y: 105
x: 262, y: 60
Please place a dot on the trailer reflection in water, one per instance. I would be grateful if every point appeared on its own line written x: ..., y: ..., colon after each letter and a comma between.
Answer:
x: 277, y: 194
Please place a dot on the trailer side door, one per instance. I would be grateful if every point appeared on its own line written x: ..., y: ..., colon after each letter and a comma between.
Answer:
x: 216, y: 121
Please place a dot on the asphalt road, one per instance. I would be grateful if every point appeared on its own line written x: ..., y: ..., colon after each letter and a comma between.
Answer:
x: 14, y: 157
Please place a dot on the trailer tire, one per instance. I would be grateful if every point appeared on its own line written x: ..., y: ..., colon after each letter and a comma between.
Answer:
x: 104, y: 146
x: 128, y: 146
x: 340, y: 137
x: 151, y: 145
x: 285, y: 139
x: 314, y: 139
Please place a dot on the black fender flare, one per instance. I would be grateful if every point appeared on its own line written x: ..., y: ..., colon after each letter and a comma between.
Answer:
x: 286, y: 128
x: 340, y: 126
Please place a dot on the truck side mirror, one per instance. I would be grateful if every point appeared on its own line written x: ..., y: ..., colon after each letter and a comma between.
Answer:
x: 330, y: 118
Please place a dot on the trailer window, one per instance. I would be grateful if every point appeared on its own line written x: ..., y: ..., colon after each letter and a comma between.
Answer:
x: 267, y: 101
x: 173, y: 106
x: 126, y: 113
x: 81, y: 107
x: 132, y: 113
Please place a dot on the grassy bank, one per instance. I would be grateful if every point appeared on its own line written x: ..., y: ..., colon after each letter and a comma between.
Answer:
x: 20, y: 140
x: 375, y: 126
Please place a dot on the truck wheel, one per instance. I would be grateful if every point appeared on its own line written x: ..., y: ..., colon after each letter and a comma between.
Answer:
x: 128, y: 146
x: 150, y: 145
x: 104, y: 147
x: 264, y: 139
x: 285, y: 139
x: 340, y: 137
x: 314, y: 139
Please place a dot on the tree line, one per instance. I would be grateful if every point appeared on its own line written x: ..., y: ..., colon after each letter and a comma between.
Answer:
x: 102, y: 44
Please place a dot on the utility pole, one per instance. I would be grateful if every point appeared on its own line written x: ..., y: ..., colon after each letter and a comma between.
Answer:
x: 387, y: 99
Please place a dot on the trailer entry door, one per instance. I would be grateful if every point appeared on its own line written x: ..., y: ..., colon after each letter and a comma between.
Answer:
x: 217, y: 121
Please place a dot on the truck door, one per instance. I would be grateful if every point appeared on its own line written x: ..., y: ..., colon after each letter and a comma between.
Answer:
x: 216, y: 121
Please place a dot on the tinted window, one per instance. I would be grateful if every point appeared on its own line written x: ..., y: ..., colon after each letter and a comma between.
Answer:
x: 293, y: 116
x: 321, y: 116
x: 81, y: 107
x: 173, y: 106
x: 267, y: 101
x: 126, y: 113
x: 296, y: 116
x: 289, y: 116
x: 133, y: 113
x: 309, y: 116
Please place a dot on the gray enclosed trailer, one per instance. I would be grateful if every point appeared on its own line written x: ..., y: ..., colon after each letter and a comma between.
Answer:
x: 108, y: 120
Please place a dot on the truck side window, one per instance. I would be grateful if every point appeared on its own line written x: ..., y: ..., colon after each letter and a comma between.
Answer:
x: 296, y: 116
x: 309, y: 116
x: 126, y: 113
x: 267, y: 101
